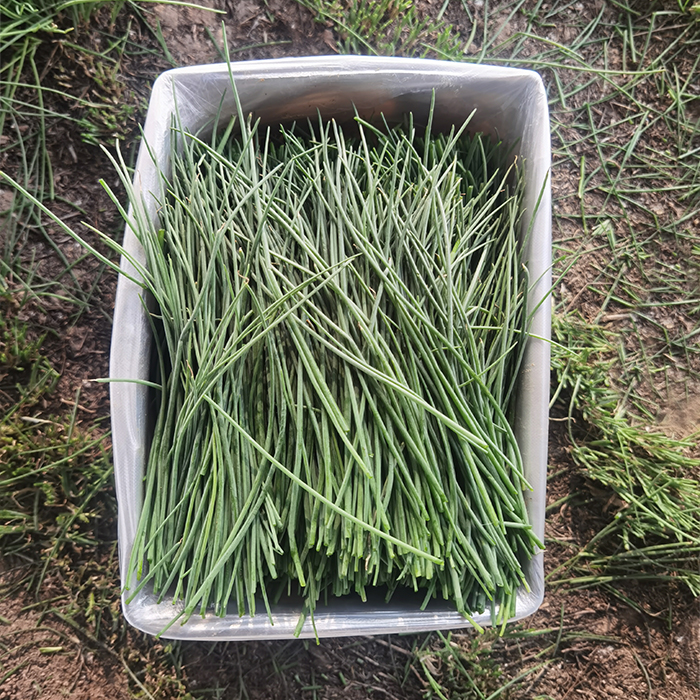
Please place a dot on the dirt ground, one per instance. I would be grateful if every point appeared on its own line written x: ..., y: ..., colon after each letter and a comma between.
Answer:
x: 581, y: 643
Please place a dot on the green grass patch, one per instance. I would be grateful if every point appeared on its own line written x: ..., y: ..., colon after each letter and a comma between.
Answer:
x: 25, y: 374
x: 469, y: 667
x: 386, y: 28
x: 58, y: 74
x: 53, y: 470
x: 649, y: 480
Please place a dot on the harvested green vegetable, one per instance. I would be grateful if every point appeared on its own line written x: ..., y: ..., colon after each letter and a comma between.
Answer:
x: 341, y: 324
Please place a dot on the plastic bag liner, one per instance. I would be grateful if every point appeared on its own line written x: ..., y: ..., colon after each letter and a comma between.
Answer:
x: 510, y: 104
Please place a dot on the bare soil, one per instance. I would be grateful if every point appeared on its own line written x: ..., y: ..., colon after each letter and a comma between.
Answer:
x: 46, y: 659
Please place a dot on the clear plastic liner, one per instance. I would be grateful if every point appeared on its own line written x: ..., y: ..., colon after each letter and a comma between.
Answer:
x: 510, y: 104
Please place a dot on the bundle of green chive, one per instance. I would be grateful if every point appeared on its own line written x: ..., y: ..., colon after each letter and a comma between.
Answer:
x: 341, y: 320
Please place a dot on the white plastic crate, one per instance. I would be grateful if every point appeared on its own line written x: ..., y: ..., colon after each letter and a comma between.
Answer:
x: 509, y: 103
